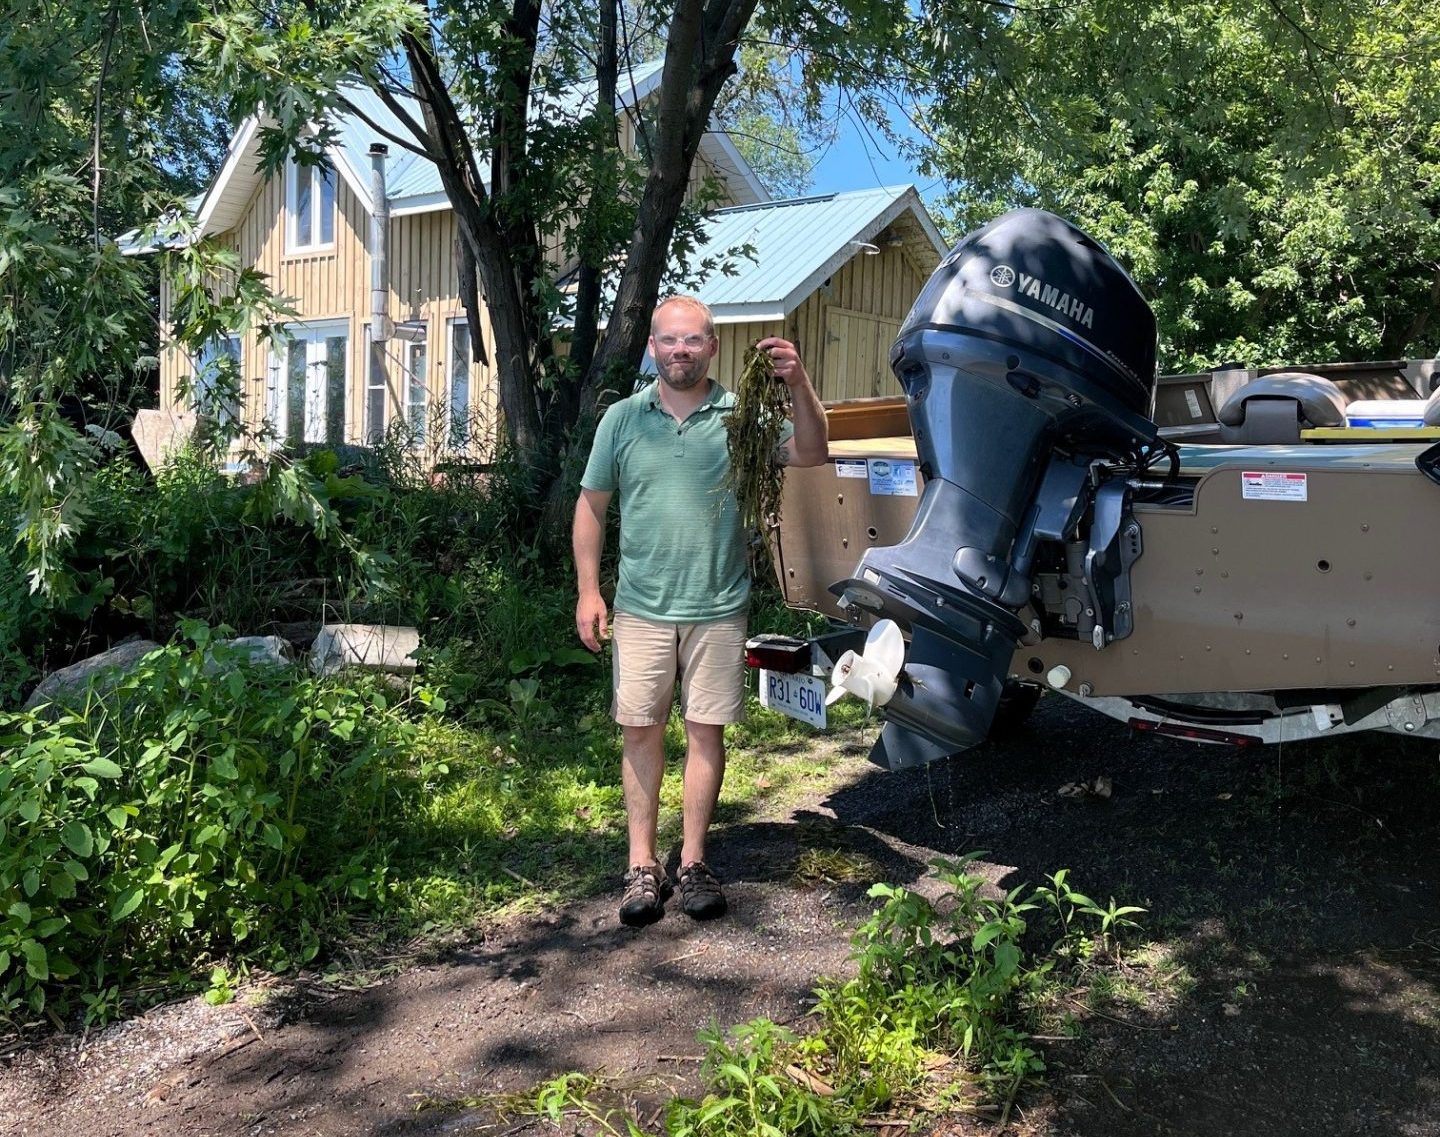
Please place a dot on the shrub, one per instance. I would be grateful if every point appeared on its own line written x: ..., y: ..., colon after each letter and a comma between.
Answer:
x: 199, y: 808
x: 21, y: 626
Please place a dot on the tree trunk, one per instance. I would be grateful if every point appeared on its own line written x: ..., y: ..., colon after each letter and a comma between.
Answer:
x: 590, y: 272
x: 700, y: 51
x: 506, y: 259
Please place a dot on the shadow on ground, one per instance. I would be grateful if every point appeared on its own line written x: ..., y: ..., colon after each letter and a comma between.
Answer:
x: 1296, y: 886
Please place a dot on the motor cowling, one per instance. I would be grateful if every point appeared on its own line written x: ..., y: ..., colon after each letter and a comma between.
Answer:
x: 1027, y: 360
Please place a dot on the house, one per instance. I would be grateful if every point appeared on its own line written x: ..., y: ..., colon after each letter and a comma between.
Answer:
x: 833, y: 273
x: 836, y: 273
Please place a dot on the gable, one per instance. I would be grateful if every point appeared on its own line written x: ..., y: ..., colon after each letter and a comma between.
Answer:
x: 413, y: 182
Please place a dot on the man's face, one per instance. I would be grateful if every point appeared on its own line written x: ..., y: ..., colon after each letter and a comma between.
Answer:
x: 681, y: 346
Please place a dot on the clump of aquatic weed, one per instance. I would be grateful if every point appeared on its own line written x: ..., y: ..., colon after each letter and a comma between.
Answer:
x: 754, y: 428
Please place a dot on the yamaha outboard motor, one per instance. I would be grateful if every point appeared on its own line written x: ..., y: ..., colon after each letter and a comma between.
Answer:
x: 1028, y: 364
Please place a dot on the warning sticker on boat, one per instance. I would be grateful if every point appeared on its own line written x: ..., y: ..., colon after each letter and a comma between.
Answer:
x: 851, y: 468
x: 1271, y: 485
x: 893, y: 477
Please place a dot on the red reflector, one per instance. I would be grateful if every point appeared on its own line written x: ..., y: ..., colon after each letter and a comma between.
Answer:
x: 1195, y: 733
x: 784, y: 654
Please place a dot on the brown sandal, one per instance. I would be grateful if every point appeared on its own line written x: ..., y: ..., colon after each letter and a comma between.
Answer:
x: 700, y: 894
x: 647, y: 887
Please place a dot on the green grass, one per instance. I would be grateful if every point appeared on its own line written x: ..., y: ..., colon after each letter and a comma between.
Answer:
x: 524, y: 818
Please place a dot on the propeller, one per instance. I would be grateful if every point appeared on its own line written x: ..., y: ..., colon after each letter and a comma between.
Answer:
x: 871, y: 674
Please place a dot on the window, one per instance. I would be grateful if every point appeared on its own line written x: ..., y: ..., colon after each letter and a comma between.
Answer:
x: 375, y: 393
x: 459, y: 383
x: 310, y: 206
x: 307, y: 391
x: 216, y: 390
x: 413, y: 360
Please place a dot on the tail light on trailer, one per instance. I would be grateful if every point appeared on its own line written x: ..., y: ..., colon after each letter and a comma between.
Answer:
x: 783, y: 654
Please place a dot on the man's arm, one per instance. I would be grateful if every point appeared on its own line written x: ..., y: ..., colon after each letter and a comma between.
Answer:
x: 810, y: 445
x: 588, y: 539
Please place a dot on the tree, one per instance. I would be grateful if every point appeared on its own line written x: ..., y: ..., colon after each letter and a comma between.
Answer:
x: 1267, y: 172
x: 519, y: 160
x: 103, y: 124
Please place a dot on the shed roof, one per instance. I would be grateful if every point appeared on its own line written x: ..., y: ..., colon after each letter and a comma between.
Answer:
x: 795, y: 245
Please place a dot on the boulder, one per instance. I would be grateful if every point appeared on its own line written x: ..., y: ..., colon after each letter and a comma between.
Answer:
x: 100, y: 673
x: 376, y: 647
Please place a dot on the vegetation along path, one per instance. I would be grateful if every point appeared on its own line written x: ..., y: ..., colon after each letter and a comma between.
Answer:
x: 1285, y: 977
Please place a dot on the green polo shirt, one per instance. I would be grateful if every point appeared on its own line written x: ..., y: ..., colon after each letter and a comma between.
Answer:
x: 682, y: 552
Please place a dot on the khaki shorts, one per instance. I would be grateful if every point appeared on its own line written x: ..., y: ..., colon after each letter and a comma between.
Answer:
x: 708, y: 659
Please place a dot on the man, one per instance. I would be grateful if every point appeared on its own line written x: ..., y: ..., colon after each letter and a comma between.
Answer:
x: 684, y: 589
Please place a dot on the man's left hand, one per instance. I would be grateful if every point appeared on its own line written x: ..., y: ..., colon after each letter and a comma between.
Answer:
x: 785, y: 358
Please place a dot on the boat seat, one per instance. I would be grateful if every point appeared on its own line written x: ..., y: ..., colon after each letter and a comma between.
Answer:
x: 1432, y: 409
x: 1276, y: 408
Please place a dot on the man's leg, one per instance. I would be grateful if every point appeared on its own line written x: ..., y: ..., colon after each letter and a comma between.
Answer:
x: 644, y: 687
x: 704, y: 771
x: 641, y: 770
x: 712, y: 693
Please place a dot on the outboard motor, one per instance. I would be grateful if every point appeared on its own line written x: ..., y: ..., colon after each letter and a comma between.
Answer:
x: 1028, y: 365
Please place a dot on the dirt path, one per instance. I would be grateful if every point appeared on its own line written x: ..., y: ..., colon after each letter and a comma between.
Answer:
x: 1297, y: 891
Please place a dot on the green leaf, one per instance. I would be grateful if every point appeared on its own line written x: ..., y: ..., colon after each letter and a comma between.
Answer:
x: 21, y: 911
x: 76, y: 869
x: 102, y: 768
x: 31, y: 882
x: 37, y: 960
x: 30, y: 810
x: 4, y: 962
x: 568, y: 656
x: 117, y: 817
x: 126, y: 902
x: 77, y: 837
x: 987, y: 933
x: 223, y: 764
x: 62, y: 968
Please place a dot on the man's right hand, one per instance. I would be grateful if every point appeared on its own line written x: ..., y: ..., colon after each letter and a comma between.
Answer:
x: 591, y: 620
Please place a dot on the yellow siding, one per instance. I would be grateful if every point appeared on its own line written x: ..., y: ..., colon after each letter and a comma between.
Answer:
x: 881, y: 287
x: 735, y: 340
x: 334, y: 284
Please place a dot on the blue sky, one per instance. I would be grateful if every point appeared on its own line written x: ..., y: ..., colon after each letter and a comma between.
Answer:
x: 861, y: 158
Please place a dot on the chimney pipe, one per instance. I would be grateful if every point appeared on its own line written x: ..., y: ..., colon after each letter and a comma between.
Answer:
x: 380, y: 324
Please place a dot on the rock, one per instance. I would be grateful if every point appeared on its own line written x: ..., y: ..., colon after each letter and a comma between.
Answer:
x: 377, y: 647
x: 158, y: 434
x: 254, y: 651
x: 100, y: 673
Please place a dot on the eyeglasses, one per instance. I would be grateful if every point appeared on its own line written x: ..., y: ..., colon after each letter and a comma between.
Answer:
x: 693, y: 342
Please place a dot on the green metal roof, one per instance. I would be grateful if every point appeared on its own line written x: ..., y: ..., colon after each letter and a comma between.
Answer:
x: 779, y: 252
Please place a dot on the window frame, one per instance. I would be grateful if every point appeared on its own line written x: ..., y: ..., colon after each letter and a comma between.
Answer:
x: 312, y: 398
x: 413, y: 339
x: 458, y: 432
x: 320, y: 176
x: 229, y: 344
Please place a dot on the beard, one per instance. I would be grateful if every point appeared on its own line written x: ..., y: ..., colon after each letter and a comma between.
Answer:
x: 683, y: 376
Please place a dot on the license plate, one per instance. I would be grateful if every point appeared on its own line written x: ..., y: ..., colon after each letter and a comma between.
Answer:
x: 799, y: 696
